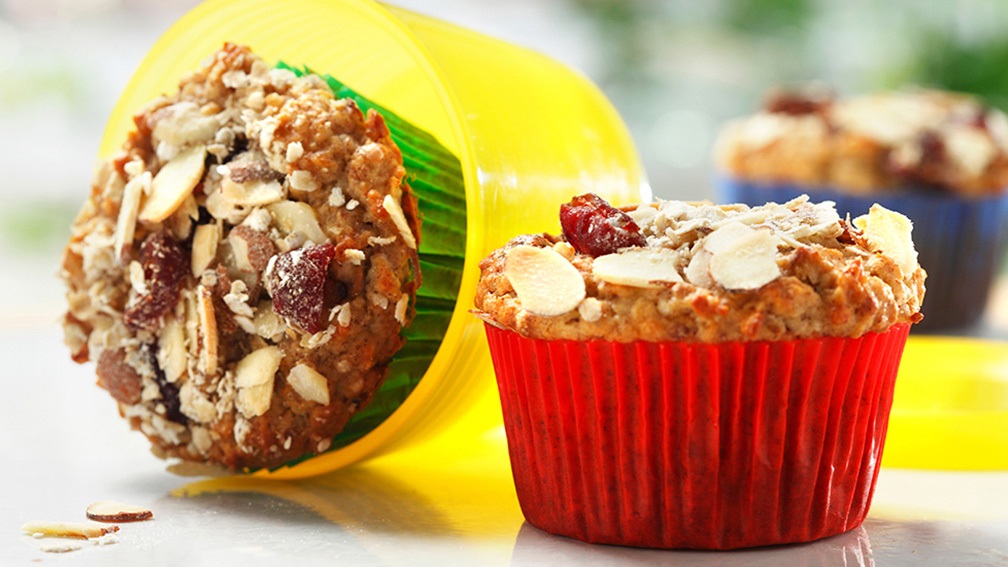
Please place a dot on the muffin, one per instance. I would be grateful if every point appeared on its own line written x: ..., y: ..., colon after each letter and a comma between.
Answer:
x: 686, y: 375
x: 244, y: 268
x: 939, y: 158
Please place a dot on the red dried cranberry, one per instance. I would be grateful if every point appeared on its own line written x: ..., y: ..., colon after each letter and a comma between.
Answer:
x: 297, y: 285
x: 594, y: 227
x: 165, y: 265
x: 798, y: 102
x: 931, y: 167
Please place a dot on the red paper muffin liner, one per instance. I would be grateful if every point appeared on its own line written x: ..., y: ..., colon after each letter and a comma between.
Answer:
x: 691, y: 445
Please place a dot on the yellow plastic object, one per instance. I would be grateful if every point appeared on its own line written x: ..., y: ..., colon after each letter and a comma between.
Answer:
x: 950, y: 408
x: 529, y: 133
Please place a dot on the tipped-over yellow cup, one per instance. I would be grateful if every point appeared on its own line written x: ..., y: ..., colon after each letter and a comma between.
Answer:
x: 529, y: 134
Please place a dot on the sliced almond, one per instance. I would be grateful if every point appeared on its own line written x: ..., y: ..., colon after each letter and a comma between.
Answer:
x: 638, y: 267
x: 301, y: 180
x: 195, y: 405
x: 208, y: 330
x: 546, y: 283
x: 726, y: 237
x: 129, y: 209
x: 171, y: 353
x: 186, y: 124
x: 251, y: 249
x: 309, y: 384
x: 254, y: 380
x: 110, y: 511
x: 750, y: 263
x: 889, y: 232
x: 698, y: 270
x: 399, y: 218
x: 173, y: 184
x: 181, y: 222
x: 75, y: 530
x: 252, y: 193
x: 590, y: 309
x: 204, y: 247
x: 291, y: 216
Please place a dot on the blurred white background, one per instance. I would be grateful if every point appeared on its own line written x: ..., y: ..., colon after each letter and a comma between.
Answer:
x: 674, y: 69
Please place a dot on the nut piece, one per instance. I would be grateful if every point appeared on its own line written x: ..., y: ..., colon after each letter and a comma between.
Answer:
x: 128, y: 211
x: 546, y: 283
x: 749, y: 263
x: 251, y: 193
x: 290, y: 216
x: 75, y: 530
x: 254, y: 380
x: 208, y: 330
x: 889, y: 232
x: 726, y: 237
x: 309, y: 384
x: 698, y: 270
x: 110, y: 511
x: 251, y: 248
x: 173, y: 184
x: 171, y: 353
x: 637, y: 267
x: 185, y: 124
x: 399, y: 218
x: 204, y: 247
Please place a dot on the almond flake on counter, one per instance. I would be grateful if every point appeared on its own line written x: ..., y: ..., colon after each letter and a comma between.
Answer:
x: 74, y: 530
x: 111, y: 511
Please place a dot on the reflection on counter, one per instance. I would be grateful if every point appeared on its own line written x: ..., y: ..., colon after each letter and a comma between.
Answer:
x: 851, y: 549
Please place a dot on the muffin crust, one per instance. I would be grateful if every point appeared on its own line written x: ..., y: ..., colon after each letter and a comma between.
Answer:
x: 820, y: 276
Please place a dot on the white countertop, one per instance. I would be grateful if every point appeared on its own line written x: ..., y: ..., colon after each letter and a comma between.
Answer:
x: 64, y: 447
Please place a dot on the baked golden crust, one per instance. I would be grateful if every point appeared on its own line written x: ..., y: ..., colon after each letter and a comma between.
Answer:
x: 870, y: 143
x: 831, y: 282
x: 277, y: 225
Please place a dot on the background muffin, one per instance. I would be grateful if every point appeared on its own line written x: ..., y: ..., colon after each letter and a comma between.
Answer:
x: 699, y: 376
x: 244, y: 267
x: 938, y: 157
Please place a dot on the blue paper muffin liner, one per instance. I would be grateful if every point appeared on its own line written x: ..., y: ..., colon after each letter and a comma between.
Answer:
x: 961, y: 241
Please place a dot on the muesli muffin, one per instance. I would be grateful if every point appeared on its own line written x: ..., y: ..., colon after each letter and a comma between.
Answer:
x: 244, y: 267
x: 940, y: 158
x: 688, y: 375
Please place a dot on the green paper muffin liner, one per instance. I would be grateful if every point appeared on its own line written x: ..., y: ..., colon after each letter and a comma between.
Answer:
x: 435, y: 176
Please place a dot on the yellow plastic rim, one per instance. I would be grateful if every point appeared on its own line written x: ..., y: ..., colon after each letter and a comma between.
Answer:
x: 950, y: 407
x: 529, y: 135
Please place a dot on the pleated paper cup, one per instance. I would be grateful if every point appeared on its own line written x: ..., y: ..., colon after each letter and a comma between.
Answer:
x: 691, y: 445
x: 961, y: 241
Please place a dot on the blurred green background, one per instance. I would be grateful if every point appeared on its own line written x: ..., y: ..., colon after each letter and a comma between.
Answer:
x: 675, y: 70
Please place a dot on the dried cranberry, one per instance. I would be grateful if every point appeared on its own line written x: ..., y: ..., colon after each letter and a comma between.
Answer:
x: 165, y: 265
x: 798, y: 103
x: 297, y: 285
x: 930, y: 167
x: 594, y: 227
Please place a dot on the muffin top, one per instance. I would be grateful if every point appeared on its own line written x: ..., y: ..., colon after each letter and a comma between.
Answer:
x: 921, y: 138
x: 698, y: 272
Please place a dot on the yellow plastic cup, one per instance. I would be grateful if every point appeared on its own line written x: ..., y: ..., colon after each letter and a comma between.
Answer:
x: 529, y: 133
x: 950, y: 406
